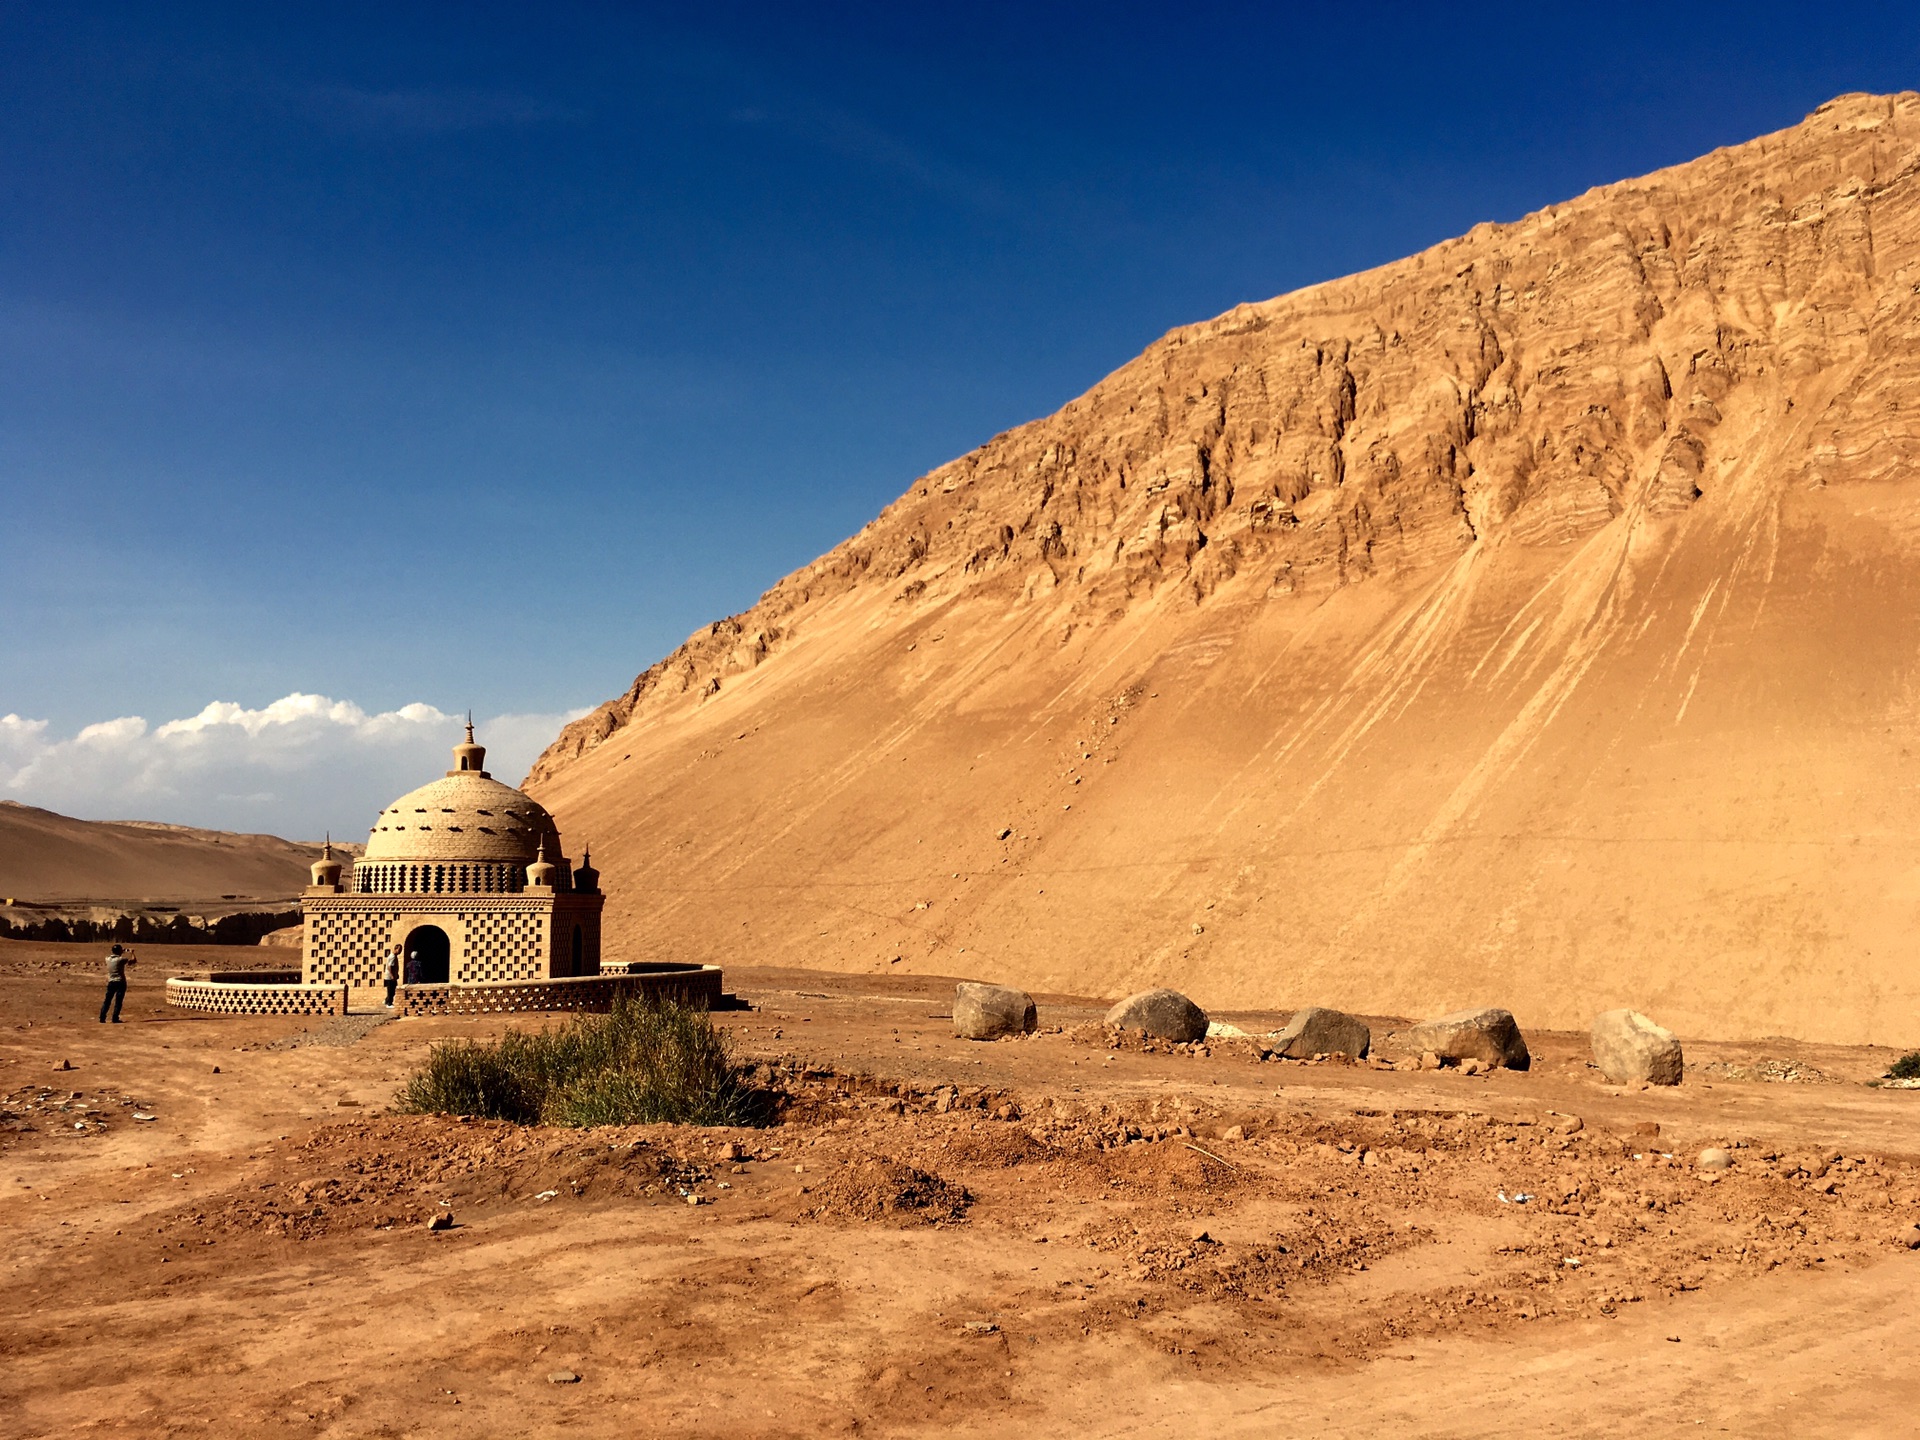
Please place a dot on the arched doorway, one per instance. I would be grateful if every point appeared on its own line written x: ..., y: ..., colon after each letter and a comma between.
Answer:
x: 429, y: 956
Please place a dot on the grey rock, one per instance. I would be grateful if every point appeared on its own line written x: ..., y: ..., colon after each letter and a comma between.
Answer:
x: 1316, y: 1031
x: 1486, y: 1035
x: 1629, y: 1048
x: 1165, y: 1013
x: 986, y: 1012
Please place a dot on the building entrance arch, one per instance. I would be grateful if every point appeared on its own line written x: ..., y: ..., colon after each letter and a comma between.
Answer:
x: 429, y: 956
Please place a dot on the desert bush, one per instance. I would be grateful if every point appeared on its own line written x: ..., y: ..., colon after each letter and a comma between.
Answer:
x: 1907, y: 1067
x: 461, y: 1077
x: 638, y: 1064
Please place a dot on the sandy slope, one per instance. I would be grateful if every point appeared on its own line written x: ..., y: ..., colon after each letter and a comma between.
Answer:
x: 1528, y: 621
x: 50, y: 857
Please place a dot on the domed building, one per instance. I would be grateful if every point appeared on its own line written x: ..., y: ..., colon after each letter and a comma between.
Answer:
x: 467, y: 876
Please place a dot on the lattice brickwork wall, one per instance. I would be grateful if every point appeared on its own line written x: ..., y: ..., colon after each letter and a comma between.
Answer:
x: 492, y: 938
x: 245, y: 999
x: 502, y: 945
x: 693, y: 986
x: 345, y: 946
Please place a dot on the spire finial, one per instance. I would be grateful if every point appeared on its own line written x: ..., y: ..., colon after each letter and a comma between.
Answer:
x: 469, y: 755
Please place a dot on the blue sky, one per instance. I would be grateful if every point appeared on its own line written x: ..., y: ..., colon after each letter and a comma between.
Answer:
x: 473, y: 356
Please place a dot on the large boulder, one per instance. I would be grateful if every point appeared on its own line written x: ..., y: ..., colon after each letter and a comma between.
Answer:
x: 1630, y: 1048
x: 1489, y: 1036
x: 1165, y: 1013
x: 1315, y: 1031
x: 986, y: 1012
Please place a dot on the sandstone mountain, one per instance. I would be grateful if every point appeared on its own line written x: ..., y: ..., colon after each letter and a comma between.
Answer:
x: 1529, y: 622
x: 52, y: 859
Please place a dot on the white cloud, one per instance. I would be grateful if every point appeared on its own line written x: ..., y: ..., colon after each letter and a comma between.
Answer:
x: 298, y: 767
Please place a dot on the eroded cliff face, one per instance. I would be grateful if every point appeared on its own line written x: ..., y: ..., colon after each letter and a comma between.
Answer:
x: 1528, y: 620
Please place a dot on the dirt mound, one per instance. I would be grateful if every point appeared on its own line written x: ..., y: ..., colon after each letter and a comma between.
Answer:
x: 884, y: 1190
x: 1368, y: 647
x: 402, y: 1170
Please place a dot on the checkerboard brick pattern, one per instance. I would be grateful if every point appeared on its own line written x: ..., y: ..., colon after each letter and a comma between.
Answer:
x: 241, y: 998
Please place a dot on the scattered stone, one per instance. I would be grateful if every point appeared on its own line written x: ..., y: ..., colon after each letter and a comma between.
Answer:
x: 986, y: 1012
x: 1569, y: 1125
x: 216, y: 1069
x: 1319, y: 1031
x: 1714, y: 1158
x: 1006, y: 833
x: 696, y: 1199
x: 562, y: 1377
x: 1201, y: 1237
x: 1166, y: 1014
x: 1489, y: 1036
x: 1471, y: 1066
x: 1907, y: 1237
x: 64, y: 1065
x: 979, y: 1327
x: 732, y: 1153
x: 441, y: 1221
x: 1631, y: 1050
x: 1234, y: 1132
x: 1429, y: 1060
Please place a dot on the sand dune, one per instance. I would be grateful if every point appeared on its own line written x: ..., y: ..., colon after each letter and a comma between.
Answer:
x: 1530, y: 621
x: 50, y: 858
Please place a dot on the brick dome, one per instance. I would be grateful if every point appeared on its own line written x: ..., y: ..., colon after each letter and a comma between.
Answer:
x: 464, y: 815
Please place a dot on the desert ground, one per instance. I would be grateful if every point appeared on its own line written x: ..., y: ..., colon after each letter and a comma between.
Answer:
x: 1057, y: 1233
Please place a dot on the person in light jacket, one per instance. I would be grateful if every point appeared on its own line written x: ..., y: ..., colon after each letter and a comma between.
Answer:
x: 117, y: 962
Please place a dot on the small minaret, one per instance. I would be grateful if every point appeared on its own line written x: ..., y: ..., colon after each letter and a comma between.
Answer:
x: 586, y: 879
x: 326, y: 870
x: 540, y: 874
x: 469, y: 757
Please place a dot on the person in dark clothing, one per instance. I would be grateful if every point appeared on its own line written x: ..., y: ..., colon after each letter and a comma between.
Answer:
x: 117, y: 962
x: 392, y: 973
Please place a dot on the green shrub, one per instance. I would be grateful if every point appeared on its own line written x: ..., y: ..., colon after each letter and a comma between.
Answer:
x: 464, y: 1078
x: 1907, y: 1067
x: 636, y: 1065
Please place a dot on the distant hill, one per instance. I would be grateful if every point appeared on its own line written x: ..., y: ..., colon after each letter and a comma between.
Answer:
x: 1531, y: 622
x: 46, y: 858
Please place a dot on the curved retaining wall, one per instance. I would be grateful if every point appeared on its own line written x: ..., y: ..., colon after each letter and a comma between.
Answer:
x: 269, y: 992
x: 228, y: 994
x: 698, y: 986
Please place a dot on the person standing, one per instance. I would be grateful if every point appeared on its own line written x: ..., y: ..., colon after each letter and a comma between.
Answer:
x: 392, y: 973
x: 117, y: 962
